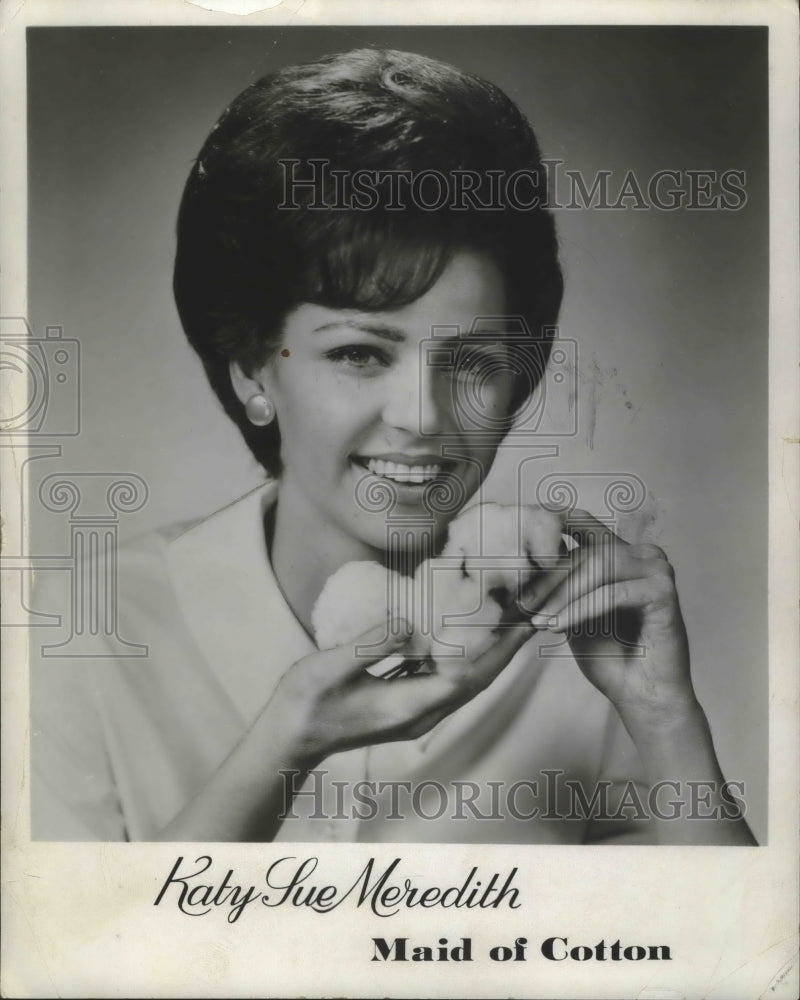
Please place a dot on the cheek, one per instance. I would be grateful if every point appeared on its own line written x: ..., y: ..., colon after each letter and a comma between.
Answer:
x: 320, y: 411
x: 480, y: 407
x: 502, y: 393
x: 497, y: 394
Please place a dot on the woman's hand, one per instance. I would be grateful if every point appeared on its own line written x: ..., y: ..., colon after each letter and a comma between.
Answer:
x: 619, y: 608
x: 328, y: 702
x: 325, y: 703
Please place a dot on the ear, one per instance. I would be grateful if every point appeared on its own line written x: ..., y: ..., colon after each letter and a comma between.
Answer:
x: 245, y: 385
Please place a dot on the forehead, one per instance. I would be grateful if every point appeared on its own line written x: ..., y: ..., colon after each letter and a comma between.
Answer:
x: 471, y: 286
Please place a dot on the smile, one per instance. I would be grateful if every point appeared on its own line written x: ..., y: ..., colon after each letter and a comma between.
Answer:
x: 401, y: 472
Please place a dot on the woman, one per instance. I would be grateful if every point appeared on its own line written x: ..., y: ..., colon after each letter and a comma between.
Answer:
x: 344, y: 222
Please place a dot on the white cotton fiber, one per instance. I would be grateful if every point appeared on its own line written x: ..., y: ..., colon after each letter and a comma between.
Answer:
x: 484, y: 529
x: 353, y: 600
x: 462, y: 614
x: 541, y: 533
x: 493, y: 529
x: 499, y: 542
x: 452, y: 601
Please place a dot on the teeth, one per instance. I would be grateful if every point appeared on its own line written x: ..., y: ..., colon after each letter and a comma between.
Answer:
x: 403, y: 473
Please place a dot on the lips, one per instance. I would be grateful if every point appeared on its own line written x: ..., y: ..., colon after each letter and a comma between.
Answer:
x: 403, y: 469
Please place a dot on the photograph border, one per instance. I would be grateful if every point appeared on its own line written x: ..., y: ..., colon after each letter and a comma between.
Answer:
x: 79, y: 919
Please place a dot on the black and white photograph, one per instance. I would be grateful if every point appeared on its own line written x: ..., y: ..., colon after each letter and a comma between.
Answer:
x: 390, y: 474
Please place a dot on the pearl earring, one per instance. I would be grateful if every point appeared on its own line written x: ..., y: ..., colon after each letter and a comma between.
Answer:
x: 260, y: 410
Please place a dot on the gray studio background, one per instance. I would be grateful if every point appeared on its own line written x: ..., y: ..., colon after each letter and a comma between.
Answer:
x: 669, y: 308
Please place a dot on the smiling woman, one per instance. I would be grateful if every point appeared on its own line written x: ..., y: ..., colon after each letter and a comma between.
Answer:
x: 374, y: 358
x: 378, y: 412
x: 252, y: 246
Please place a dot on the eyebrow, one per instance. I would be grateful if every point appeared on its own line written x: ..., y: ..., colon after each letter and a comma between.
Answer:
x: 395, y: 333
x: 383, y: 330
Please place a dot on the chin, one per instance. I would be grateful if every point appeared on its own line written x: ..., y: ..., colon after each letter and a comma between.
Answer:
x: 413, y: 534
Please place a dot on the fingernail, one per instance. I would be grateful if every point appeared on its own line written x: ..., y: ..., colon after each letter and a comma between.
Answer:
x: 544, y: 621
x: 391, y: 662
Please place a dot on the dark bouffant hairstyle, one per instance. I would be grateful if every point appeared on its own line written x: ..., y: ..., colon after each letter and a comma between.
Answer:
x: 246, y: 255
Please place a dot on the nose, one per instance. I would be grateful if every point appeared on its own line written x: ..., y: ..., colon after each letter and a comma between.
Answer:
x: 414, y: 400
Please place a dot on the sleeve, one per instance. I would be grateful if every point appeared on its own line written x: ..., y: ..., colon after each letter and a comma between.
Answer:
x: 626, y: 819
x: 72, y: 788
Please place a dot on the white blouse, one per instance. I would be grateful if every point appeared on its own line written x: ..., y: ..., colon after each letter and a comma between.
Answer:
x: 119, y: 744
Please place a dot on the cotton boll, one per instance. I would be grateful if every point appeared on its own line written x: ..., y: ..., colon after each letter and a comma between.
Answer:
x: 541, y: 533
x: 464, y: 532
x: 488, y: 529
x: 355, y: 598
x: 466, y: 614
x: 491, y: 553
x: 493, y: 529
x: 501, y: 543
x: 452, y: 613
x: 488, y: 539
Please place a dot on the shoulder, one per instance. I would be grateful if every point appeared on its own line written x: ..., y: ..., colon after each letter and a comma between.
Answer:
x: 155, y: 555
x: 255, y: 502
x: 81, y: 610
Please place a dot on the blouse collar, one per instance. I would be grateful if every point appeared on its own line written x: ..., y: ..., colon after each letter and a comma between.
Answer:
x: 231, y: 600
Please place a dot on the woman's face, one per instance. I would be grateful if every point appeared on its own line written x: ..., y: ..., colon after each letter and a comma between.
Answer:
x: 375, y: 409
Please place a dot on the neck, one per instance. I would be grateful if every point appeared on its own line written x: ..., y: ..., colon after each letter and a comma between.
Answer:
x: 305, y: 551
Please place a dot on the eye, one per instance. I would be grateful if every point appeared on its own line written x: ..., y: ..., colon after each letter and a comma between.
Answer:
x: 359, y: 357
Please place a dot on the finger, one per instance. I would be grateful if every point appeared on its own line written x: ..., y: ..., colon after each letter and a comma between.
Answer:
x: 646, y: 550
x: 415, y: 710
x: 601, y: 604
x: 352, y: 658
x: 588, y: 530
x: 593, y: 567
x: 472, y: 676
x: 395, y: 709
x: 456, y: 681
x: 544, y: 581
